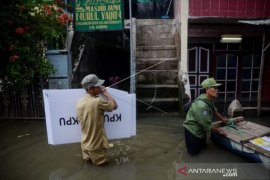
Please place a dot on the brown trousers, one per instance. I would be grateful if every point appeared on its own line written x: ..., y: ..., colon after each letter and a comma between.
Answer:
x: 97, y: 157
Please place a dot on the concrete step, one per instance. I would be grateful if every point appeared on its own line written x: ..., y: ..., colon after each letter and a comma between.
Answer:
x: 149, y: 86
x: 144, y: 37
x: 152, y: 22
x: 165, y: 105
x: 155, y: 29
x: 145, y: 48
x: 149, y: 100
x: 157, y: 83
x: 157, y: 63
x: 156, y: 53
x: 157, y: 59
x: 157, y: 92
x: 167, y: 77
x: 158, y: 32
x: 148, y: 40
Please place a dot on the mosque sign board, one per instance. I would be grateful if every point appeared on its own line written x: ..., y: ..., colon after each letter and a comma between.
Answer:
x: 91, y: 15
x: 62, y: 123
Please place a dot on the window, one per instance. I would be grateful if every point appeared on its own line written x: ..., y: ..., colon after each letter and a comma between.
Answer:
x: 250, y: 78
x: 226, y: 73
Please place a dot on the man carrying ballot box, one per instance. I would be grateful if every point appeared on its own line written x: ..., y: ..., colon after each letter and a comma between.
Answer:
x: 90, y: 111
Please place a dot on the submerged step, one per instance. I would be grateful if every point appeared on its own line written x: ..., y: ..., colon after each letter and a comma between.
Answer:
x: 160, y: 99
x: 168, y: 47
x: 157, y: 86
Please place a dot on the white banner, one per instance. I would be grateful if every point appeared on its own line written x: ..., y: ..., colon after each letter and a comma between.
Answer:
x: 63, y: 126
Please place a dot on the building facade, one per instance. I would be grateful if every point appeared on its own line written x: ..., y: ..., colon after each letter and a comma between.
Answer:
x: 242, y: 67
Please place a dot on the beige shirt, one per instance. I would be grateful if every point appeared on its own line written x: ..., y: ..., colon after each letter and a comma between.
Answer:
x: 90, y: 111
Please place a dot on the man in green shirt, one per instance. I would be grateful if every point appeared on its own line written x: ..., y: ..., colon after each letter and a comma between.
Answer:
x: 199, y: 118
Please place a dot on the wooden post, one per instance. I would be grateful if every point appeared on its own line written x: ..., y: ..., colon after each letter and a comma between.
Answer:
x: 132, y: 35
x: 259, y: 99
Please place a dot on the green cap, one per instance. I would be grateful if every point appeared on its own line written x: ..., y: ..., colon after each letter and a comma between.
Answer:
x: 210, y: 82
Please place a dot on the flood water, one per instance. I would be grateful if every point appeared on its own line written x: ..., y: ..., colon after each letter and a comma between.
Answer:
x: 154, y: 153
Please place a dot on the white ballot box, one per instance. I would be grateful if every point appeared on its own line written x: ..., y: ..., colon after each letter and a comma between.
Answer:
x: 63, y: 126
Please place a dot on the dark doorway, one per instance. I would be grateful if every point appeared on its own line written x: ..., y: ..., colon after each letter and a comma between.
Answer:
x: 105, y: 54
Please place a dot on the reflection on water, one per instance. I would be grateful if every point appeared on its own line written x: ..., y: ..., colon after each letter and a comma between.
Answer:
x: 86, y: 172
x: 154, y: 153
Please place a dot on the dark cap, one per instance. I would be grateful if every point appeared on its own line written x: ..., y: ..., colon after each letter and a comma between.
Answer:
x: 91, y: 80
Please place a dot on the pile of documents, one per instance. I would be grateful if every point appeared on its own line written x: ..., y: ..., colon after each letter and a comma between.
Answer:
x: 263, y: 142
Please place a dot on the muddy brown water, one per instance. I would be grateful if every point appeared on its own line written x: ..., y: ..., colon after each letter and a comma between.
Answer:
x: 153, y: 153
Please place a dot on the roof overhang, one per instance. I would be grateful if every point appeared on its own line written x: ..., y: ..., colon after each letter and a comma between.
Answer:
x: 215, y: 27
x: 227, y: 20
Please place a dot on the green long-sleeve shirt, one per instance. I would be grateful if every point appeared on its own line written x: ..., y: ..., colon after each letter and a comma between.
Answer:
x: 199, y: 117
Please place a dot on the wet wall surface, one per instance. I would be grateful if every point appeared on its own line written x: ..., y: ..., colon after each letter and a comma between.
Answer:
x: 154, y: 153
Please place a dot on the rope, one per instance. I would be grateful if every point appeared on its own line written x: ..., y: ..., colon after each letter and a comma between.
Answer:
x: 138, y: 72
x: 153, y: 99
x: 150, y: 105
